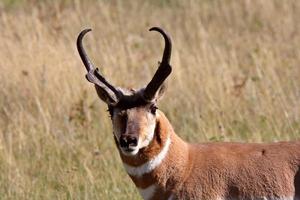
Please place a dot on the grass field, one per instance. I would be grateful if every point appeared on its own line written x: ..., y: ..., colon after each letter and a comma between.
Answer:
x: 236, y: 77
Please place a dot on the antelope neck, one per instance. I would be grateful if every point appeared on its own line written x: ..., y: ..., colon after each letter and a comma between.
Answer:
x: 150, y: 169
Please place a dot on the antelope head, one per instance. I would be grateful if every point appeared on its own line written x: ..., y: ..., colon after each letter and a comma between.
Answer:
x: 133, y: 112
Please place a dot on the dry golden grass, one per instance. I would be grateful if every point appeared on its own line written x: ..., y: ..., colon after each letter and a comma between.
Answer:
x: 235, y: 78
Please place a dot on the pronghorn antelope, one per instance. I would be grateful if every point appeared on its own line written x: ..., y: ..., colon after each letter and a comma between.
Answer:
x: 163, y: 166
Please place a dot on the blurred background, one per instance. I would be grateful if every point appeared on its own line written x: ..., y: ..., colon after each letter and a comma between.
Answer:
x: 236, y: 77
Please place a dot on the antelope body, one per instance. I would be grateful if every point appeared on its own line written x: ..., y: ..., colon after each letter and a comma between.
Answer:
x: 163, y: 166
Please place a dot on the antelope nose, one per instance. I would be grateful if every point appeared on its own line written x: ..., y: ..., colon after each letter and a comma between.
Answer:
x: 127, y: 141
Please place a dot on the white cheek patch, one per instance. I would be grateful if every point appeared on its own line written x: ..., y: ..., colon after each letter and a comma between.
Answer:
x: 149, y: 132
x: 149, y: 136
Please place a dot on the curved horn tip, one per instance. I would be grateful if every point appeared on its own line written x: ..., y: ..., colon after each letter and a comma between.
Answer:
x: 156, y: 29
x: 161, y: 31
x: 87, y: 30
x: 84, y: 31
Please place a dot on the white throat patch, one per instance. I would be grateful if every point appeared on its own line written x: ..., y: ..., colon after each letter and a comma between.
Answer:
x: 151, y: 164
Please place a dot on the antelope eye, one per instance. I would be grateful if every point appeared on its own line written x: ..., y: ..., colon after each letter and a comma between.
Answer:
x: 153, y: 109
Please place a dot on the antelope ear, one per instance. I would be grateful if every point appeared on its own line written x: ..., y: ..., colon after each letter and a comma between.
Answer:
x: 161, y: 91
x: 105, y: 96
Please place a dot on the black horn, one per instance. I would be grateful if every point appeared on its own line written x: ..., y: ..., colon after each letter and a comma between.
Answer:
x: 108, y: 92
x: 163, y: 70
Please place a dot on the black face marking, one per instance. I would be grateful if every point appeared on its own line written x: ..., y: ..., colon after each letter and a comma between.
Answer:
x: 123, y: 117
x: 129, y: 103
x: 151, y: 106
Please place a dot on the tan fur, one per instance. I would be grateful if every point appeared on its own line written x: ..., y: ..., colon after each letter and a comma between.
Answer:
x: 218, y: 170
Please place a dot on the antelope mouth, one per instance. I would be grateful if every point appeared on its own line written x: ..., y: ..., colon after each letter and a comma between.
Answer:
x: 129, y: 151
